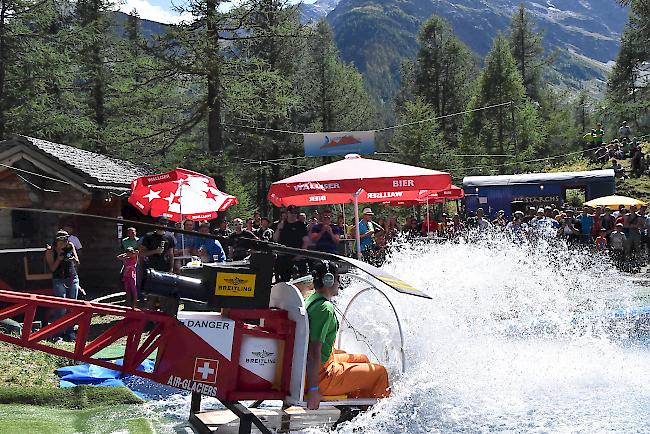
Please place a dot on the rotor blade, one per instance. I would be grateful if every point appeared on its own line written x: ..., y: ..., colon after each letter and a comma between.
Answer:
x: 388, y: 279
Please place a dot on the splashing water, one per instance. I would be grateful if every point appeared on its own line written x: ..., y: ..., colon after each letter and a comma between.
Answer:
x: 516, y: 339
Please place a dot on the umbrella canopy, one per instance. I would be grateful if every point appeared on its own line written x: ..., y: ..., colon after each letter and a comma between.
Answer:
x: 179, y: 194
x: 338, y: 182
x: 613, y: 202
x: 354, y: 175
x: 427, y: 196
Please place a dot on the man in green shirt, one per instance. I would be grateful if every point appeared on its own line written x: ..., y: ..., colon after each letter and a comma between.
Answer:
x: 131, y: 240
x: 331, y: 372
x: 599, y: 134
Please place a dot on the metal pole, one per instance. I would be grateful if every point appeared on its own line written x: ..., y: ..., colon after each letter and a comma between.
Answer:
x: 180, y: 211
x: 355, y: 197
x: 344, y: 234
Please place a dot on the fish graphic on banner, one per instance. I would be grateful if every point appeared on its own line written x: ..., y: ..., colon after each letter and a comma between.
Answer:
x: 341, y: 143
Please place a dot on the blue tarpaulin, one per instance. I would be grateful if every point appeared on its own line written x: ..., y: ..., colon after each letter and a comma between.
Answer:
x: 92, y: 375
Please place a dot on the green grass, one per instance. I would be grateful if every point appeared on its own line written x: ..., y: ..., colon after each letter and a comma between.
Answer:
x: 21, y: 367
x: 638, y: 188
x: 21, y: 419
x: 80, y: 397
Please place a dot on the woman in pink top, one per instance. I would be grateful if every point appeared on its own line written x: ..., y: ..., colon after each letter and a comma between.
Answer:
x: 130, y: 260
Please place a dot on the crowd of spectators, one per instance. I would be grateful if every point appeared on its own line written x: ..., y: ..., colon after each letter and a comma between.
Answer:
x: 623, y: 234
x: 623, y: 147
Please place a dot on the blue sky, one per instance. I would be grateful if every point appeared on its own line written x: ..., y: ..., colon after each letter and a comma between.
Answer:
x: 161, y: 10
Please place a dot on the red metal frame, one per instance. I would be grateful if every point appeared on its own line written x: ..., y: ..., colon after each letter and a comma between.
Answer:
x: 178, y: 347
x: 80, y: 313
x: 275, y: 324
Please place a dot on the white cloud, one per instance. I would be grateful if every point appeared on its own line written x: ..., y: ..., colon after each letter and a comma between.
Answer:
x: 159, y: 14
x: 151, y: 12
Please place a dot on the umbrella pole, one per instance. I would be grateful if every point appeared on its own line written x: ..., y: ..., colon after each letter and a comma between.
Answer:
x: 180, y: 211
x: 344, y: 231
x: 355, y: 196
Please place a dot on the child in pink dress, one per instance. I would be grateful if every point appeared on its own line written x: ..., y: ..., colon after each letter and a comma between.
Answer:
x: 130, y: 260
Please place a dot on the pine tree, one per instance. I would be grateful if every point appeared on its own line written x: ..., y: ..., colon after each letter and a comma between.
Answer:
x: 146, y: 105
x: 528, y: 52
x: 513, y: 129
x: 628, y: 94
x: 443, y: 72
x: 421, y: 143
x: 34, y: 68
x: 95, y: 55
x: 332, y: 93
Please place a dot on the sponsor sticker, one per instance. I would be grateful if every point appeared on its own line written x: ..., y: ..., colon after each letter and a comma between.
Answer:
x: 261, y: 358
x: 192, y: 386
x: 235, y: 285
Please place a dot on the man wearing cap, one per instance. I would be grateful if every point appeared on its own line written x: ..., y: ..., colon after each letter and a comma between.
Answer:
x: 543, y: 225
x: 292, y: 233
x: 624, y: 132
x: 500, y: 221
x: 157, y: 252
x: 367, y: 231
x: 305, y: 284
x: 550, y: 215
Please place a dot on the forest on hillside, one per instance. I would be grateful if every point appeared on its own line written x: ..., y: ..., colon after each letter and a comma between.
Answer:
x: 230, y: 93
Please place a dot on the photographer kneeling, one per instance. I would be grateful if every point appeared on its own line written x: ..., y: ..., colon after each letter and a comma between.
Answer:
x: 62, y: 260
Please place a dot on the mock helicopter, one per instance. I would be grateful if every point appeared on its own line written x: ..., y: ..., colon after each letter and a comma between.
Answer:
x: 246, y: 339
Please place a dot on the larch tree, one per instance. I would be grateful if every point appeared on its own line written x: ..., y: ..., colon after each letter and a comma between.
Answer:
x: 444, y: 69
x: 512, y: 125
x: 35, y: 72
x: 528, y: 52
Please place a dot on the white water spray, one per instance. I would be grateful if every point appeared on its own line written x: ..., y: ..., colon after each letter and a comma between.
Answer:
x: 516, y: 339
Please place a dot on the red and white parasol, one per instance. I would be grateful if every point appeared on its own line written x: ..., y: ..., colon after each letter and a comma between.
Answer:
x: 179, y: 194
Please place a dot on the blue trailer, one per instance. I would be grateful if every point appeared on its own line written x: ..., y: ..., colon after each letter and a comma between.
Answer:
x: 505, y: 192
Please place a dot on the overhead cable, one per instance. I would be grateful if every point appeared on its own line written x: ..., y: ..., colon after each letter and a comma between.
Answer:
x: 275, y: 130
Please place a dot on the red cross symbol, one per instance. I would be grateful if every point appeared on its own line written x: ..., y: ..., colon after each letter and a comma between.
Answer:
x: 205, y: 370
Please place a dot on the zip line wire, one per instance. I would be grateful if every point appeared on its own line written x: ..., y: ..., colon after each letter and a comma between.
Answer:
x: 536, y: 160
x: 274, y: 130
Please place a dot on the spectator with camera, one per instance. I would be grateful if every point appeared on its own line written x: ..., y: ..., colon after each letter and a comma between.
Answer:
x: 62, y: 260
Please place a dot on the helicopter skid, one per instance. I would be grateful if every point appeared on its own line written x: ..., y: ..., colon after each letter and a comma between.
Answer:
x: 240, y: 419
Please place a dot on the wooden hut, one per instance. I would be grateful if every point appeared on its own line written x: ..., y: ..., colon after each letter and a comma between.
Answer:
x: 39, y: 174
